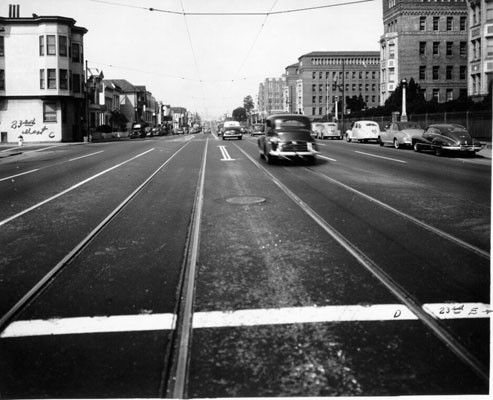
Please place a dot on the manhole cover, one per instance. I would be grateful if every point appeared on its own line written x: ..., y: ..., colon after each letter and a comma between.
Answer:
x: 245, y: 200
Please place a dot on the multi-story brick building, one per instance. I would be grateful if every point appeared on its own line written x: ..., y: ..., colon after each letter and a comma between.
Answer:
x: 41, y: 78
x: 290, y: 99
x: 480, y: 47
x: 271, y: 96
x: 425, y: 40
x: 325, y: 77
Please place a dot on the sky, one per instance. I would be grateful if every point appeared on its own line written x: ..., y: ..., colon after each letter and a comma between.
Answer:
x: 209, y: 63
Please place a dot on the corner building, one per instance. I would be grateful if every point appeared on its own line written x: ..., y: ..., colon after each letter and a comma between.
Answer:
x: 425, y: 40
x: 42, y: 94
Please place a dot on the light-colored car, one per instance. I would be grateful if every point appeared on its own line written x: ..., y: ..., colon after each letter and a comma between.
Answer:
x: 258, y: 129
x: 363, y: 131
x: 400, y: 134
x: 287, y: 137
x: 326, y: 130
x: 232, y: 132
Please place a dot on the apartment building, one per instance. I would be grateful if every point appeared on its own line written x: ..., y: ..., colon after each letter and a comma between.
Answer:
x: 425, y: 40
x: 480, y: 69
x: 41, y: 78
x: 271, y: 96
x: 327, y: 77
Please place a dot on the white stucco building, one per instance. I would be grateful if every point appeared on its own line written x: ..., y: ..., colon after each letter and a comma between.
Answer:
x: 42, y: 94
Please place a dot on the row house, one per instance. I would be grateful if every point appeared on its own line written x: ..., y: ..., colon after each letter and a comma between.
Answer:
x: 425, y: 40
x: 42, y: 96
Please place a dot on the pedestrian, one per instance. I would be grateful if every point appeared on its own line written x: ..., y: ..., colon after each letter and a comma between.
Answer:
x: 21, y: 140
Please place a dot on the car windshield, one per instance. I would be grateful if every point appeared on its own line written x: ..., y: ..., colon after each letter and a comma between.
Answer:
x: 371, y: 124
x: 259, y: 127
x: 291, y: 123
x: 233, y: 129
x: 453, y: 129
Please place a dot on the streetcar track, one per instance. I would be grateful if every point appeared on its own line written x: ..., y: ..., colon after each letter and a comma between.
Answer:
x: 45, y: 282
x: 399, y: 292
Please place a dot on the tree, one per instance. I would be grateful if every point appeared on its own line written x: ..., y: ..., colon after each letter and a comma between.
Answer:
x: 118, y: 119
x: 240, y: 114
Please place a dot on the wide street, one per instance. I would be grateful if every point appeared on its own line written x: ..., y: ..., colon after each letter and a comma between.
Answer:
x: 186, y: 266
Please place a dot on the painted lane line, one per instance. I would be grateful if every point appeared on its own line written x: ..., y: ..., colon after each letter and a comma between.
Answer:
x: 238, y: 318
x: 327, y: 158
x: 27, y: 210
x: 87, y: 155
x: 15, y: 176
x: 416, y: 221
x: 385, y: 158
x: 225, y: 154
x: 81, y: 325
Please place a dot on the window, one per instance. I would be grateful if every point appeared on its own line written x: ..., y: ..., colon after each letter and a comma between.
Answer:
x: 462, y: 72
x: 436, y: 21
x: 62, y: 45
x: 76, y: 83
x: 422, y: 48
x: 436, y: 47
x: 450, y: 46
x: 320, y: 99
x: 49, y: 112
x: 314, y: 99
x: 41, y: 78
x: 314, y: 88
x: 450, y: 23
x: 462, y: 23
x: 75, y: 52
x: 422, y: 72
x: 2, y: 46
x: 52, y: 79
x: 436, y: 72
x: 450, y: 94
x: 436, y: 94
x: 2, y: 79
x: 41, y: 45
x: 463, y: 49
x: 63, y: 79
x: 51, y: 45
x: 422, y: 23
x: 449, y: 73
x: 314, y: 75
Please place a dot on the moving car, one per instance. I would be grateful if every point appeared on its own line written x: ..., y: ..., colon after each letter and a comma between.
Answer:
x: 442, y: 138
x: 363, y: 131
x: 287, y: 136
x: 326, y: 130
x: 400, y: 134
x: 232, y: 132
x: 258, y: 129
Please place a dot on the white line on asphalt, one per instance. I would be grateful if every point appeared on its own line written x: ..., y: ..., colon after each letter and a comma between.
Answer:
x: 15, y: 176
x: 71, y: 188
x: 327, y: 158
x: 87, y: 155
x: 252, y: 317
x: 385, y: 158
x: 225, y: 154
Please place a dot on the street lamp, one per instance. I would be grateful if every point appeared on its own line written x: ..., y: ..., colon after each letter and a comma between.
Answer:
x: 404, y: 115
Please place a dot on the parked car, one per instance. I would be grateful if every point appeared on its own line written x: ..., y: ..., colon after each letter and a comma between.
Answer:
x: 363, y: 131
x: 232, y: 132
x: 287, y: 136
x: 258, y: 129
x: 326, y: 130
x: 400, y: 134
x: 443, y: 138
x: 178, y: 131
x: 138, y: 131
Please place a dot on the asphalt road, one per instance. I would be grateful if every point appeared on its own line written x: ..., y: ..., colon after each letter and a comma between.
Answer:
x: 185, y: 266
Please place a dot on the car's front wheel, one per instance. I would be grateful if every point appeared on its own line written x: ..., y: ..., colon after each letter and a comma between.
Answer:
x: 348, y: 139
x: 416, y: 147
x: 397, y: 145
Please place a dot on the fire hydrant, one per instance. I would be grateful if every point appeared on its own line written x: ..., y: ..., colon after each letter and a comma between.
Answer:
x: 21, y: 140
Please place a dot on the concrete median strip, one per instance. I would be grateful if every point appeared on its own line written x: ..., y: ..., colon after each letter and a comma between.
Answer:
x: 239, y: 318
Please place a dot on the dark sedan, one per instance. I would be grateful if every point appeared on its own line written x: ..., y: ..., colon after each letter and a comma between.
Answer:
x: 287, y: 136
x: 442, y: 138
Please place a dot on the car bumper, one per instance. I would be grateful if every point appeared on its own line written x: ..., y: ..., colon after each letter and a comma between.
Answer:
x: 232, y: 136
x: 463, y: 148
x: 289, y: 152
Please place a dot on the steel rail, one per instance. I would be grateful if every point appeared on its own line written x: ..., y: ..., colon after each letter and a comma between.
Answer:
x: 177, y: 379
x: 413, y: 304
x: 45, y: 282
